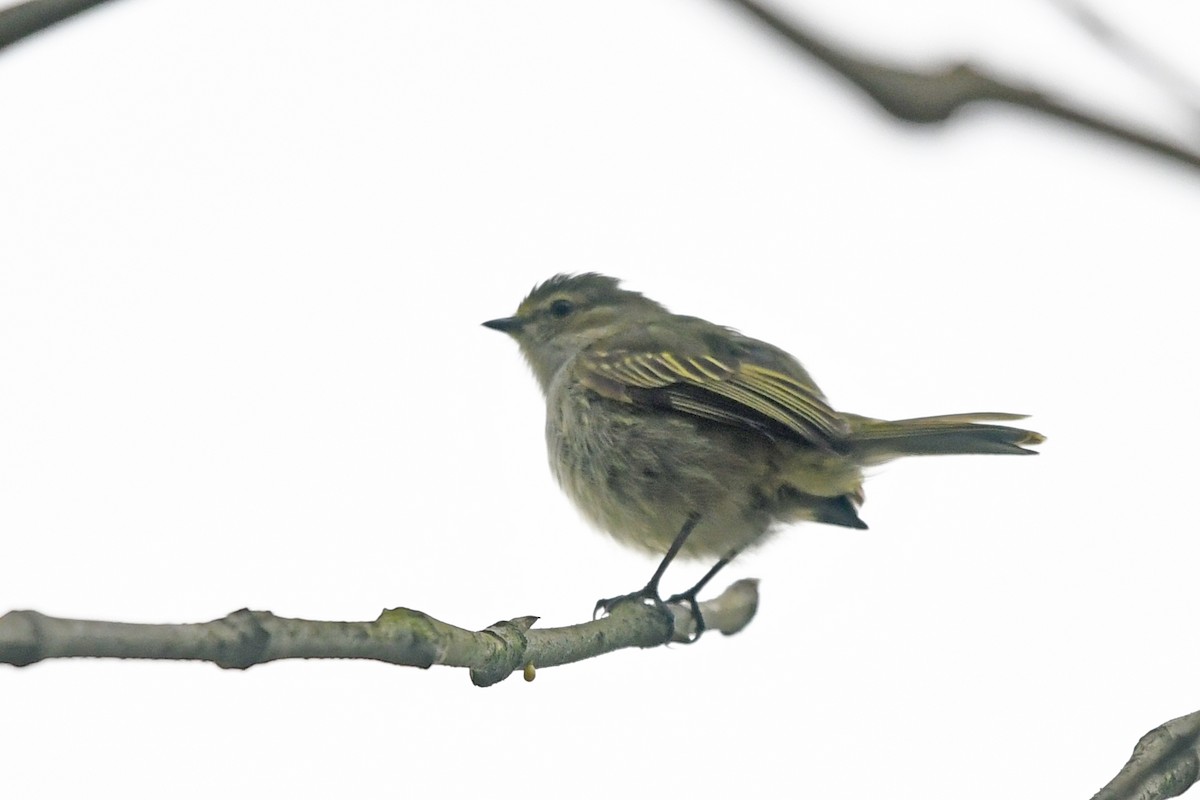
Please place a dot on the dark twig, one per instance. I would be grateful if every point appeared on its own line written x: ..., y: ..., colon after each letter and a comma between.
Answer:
x: 1151, y: 65
x: 910, y: 95
x: 935, y: 95
x: 26, y: 19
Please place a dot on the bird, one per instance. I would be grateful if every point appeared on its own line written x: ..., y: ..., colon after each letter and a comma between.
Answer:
x: 681, y: 437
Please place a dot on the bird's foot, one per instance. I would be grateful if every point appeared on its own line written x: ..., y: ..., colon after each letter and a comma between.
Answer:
x: 647, y: 596
x: 689, y: 597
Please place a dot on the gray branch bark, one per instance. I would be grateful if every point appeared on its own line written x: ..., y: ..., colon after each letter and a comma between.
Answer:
x: 1165, y: 763
x: 399, y: 636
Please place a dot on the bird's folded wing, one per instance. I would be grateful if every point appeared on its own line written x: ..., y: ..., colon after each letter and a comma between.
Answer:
x: 718, y: 383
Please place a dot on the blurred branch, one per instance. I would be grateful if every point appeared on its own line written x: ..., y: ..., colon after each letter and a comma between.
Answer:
x: 399, y: 636
x: 934, y: 96
x: 922, y: 97
x: 26, y: 19
x: 1136, y: 55
x: 1165, y: 763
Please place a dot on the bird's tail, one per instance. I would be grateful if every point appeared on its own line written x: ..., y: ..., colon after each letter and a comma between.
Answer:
x: 876, y: 440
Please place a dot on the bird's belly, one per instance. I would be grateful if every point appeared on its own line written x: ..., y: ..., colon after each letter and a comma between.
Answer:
x: 638, y: 474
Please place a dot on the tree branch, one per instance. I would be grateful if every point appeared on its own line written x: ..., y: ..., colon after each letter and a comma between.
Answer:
x: 935, y: 95
x: 1139, y: 57
x: 26, y: 19
x: 1165, y: 763
x: 399, y: 636
x: 921, y: 97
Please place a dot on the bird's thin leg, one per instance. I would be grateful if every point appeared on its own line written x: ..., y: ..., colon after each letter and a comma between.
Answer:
x: 691, y: 593
x: 650, y: 590
x: 676, y: 545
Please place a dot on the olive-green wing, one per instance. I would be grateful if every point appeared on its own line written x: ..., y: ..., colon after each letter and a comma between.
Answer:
x: 716, y: 374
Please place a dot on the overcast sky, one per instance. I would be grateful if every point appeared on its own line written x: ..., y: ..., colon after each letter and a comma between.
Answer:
x: 245, y: 248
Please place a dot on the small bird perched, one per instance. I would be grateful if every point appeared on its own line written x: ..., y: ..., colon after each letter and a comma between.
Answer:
x: 680, y: 436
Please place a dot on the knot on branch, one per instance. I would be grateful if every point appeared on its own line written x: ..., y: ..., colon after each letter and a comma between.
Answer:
x: 22, y: 638
x: 245, y: 647
x: 509, y: 653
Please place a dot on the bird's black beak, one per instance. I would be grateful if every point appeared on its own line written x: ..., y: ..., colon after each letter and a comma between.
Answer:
x: 505, y: 325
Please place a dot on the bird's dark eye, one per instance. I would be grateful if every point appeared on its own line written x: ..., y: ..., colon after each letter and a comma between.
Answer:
x: 560, y: 308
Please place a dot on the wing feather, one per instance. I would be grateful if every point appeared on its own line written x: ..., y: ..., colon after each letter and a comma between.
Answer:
x: 745, y: 383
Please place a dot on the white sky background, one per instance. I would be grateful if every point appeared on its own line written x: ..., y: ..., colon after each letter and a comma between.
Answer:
x: 246, y: 248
